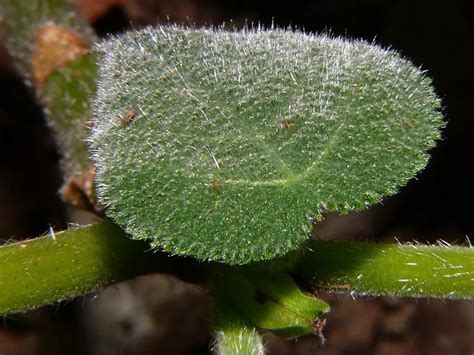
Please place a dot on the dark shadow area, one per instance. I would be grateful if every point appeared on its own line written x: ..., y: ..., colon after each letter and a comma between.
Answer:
x: 112, y: 22
x: 29, y: 163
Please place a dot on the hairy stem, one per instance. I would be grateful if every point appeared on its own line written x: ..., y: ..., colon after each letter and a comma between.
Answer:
x: 234, y: 335
x: 63, y: 265
x: 389, y: 269
x: 71, y: 263
x: 239, y: 339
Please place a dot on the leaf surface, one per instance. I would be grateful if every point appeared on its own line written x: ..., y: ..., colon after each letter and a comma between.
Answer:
x: 227, y: 145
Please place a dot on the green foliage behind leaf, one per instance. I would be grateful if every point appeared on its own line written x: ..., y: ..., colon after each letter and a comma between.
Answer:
x: 22, y: 19
x: 226, y: 145
x: 68, y: 92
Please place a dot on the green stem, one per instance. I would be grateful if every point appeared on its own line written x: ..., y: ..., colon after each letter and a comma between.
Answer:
x: 238, y: 339
x: 43, y: 270
x: 67, y: 96
x: 389, y: 269
x: 234, y: 335
x: 71, y: 263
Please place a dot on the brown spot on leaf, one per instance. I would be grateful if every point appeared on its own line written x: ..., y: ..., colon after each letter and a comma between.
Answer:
x: 287, y: 124
x: 55, y: 46
x: 216, y: 185
x: 130, y: 115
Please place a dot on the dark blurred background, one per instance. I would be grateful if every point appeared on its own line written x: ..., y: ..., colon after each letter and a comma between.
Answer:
x: 160, y: 315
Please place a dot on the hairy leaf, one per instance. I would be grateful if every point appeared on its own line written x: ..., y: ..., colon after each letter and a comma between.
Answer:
x: 226, y: 145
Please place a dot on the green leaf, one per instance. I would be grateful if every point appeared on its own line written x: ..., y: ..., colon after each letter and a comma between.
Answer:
x: 270, y: 301
x: 227, y: 145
